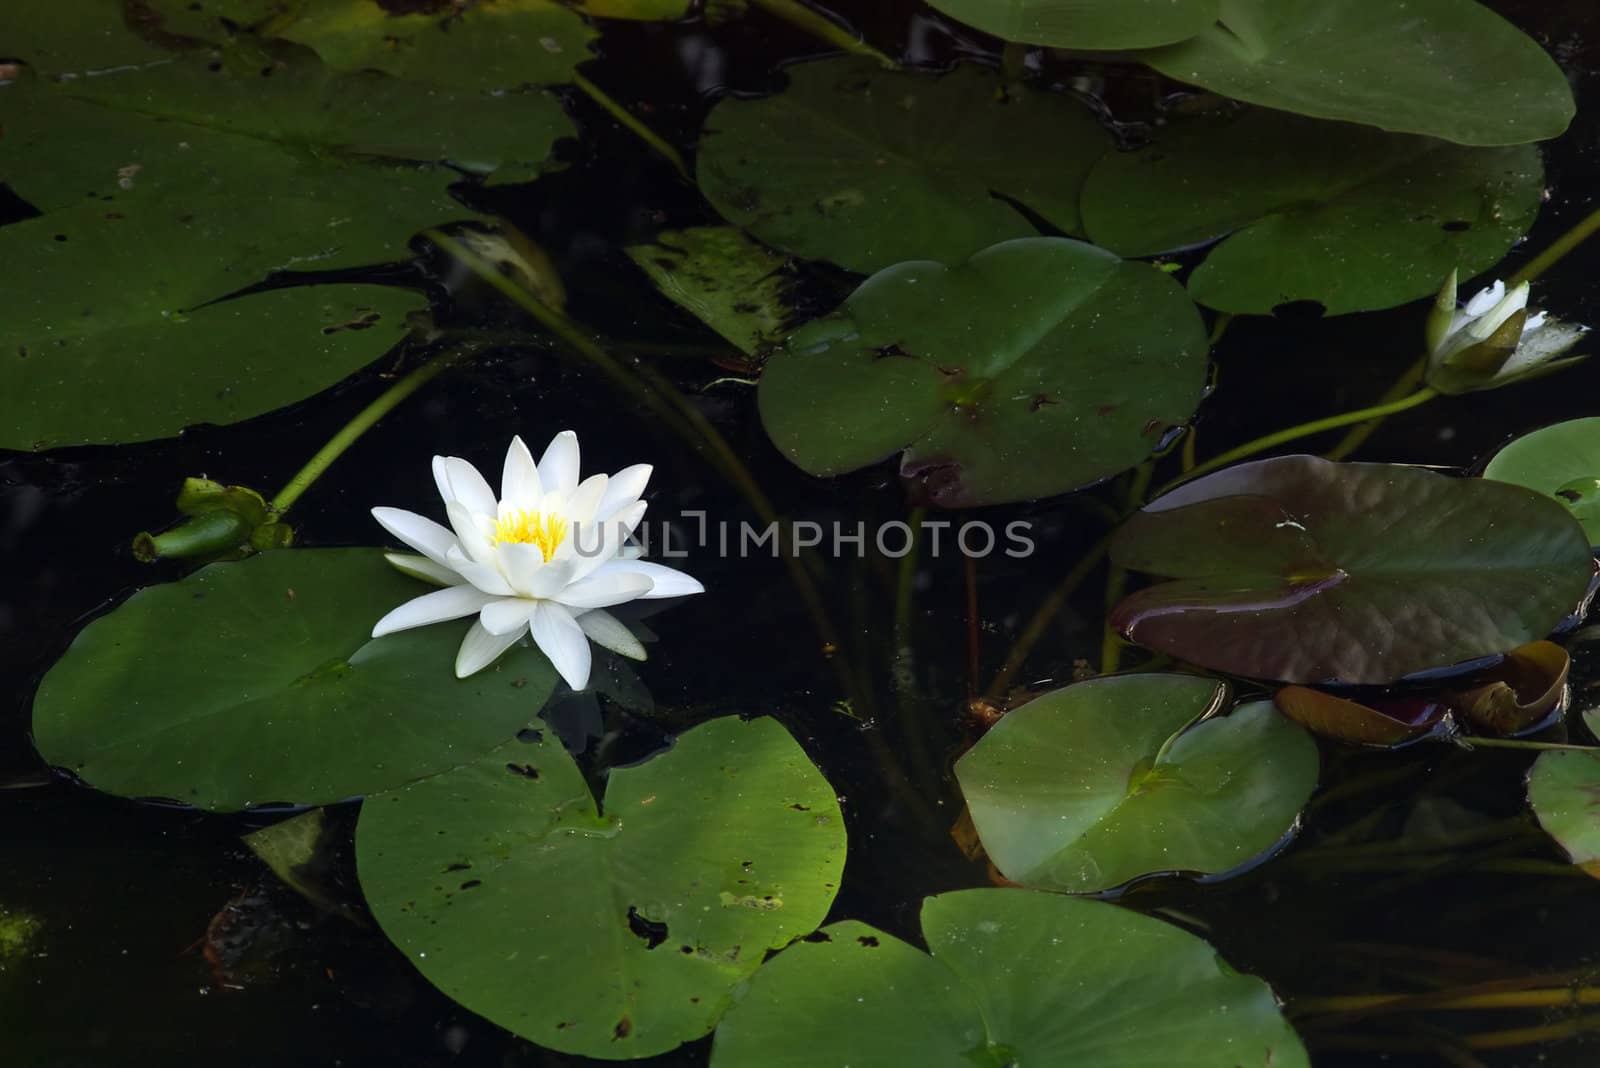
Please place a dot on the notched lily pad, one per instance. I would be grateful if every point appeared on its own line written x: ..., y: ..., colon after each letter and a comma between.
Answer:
x: 1011, y: 977
x: 1302, y: 570
x: 1350, y: 217
x: 617, y: 929
x: 1094, y: 785
x: 1038, y: 366
x: 257, y: 682
x: 1560, y: 461
x: 1446, y: 68
x: 869, y: 168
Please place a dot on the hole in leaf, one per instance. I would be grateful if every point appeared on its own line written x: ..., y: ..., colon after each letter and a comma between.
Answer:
x: 1456, y: 226
x: 653, y: 932
x: 867, y: 940
x: 527, y: 771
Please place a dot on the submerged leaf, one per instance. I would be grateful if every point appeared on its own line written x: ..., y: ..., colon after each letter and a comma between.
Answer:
x: 1447, y: 68
x: 257, y: 683
x: 868, y: 168
x: 1303, y: 570
x: 1350, y: 217
x: 736, y: 286
x: 1010, y: 977
x: 617, y: 931
x: 1397, y: 720
x: 1036, y: 367
x: 1094, y: 785
x: 1517, y: 693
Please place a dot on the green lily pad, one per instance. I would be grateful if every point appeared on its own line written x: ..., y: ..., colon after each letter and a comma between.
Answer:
x: 1564, y: 790
x: 215, y: 21
x: 1353, y: 218
x: 1089, y: 787
x: 489, y: 44
x: 867, y: 167
x: 736, y: 286
x: 74, y: 38
x: 256, y: 682
x: 1090, y: 24
x: 168, y: 187
x: 1560, y: 461
x: 616, y: 928
x: 1038, y: 366
x: 1446, y: 68
x: 1303, y: 570
x: 1011, y: 977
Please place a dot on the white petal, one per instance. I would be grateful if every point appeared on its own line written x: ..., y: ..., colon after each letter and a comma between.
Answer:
x: 467, y: 487
x: 519, y: 480
x: 469, y: 532
x: 600, y: 541
x: 435, y: 607
x: 520, y: 563
x: 441, y: 479
x: 421, y: 533
x: 558, y: 635
x: 506, y: 615
x: 603, y: 591
x: 558, y: 467
x: 1485, y: 299
x: 420, y: 567
x: 1514, y: 302
x: 486, y: 577
x: 585, y: 500
x: 1533, y: 322
x: 605, y: 630
x: 625, y: 487
x: 665, y: 581
x: 479, y: 649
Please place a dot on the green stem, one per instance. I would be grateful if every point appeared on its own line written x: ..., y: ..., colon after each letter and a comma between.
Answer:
x: 1042, y: 616
x: 1557, y: 249
x: 823, y: 28
x: 631, y: 123
x: 1401, y: 388
x: 363, y: 422
x: 1316, y: 426
x: 1475, y: 742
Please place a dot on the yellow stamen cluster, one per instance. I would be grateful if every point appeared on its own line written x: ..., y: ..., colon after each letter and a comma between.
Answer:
x: 544, y: 529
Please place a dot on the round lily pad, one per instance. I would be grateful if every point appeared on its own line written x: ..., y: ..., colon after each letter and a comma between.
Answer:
x: 1085, y: 23
x: 1348, y: 216
x: 1303, y: 570
x: 867, y: 167
x: 1038, y: 366
x: 1560, y: 461
x: 1091, y: 786
x: 256, y: 682
x: 1564, y: 790
x: 615, y: 929
x: 1446, y: 68
x: 1011, y: 977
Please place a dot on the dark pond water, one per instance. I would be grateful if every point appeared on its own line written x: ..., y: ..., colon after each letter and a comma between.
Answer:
x: 165, y: 941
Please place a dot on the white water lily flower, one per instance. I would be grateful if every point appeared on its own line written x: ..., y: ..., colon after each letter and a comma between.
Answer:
x: 546, y: 557
x: 1493, y: 339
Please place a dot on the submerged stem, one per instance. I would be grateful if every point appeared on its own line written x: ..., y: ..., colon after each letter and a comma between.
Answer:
x: 1476, y: 742
x: 631, y: 122
x: 363, y: 422
x: 823, y: 28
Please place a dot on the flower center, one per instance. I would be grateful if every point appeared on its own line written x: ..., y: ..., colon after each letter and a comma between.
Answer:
x: 544, y: 529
